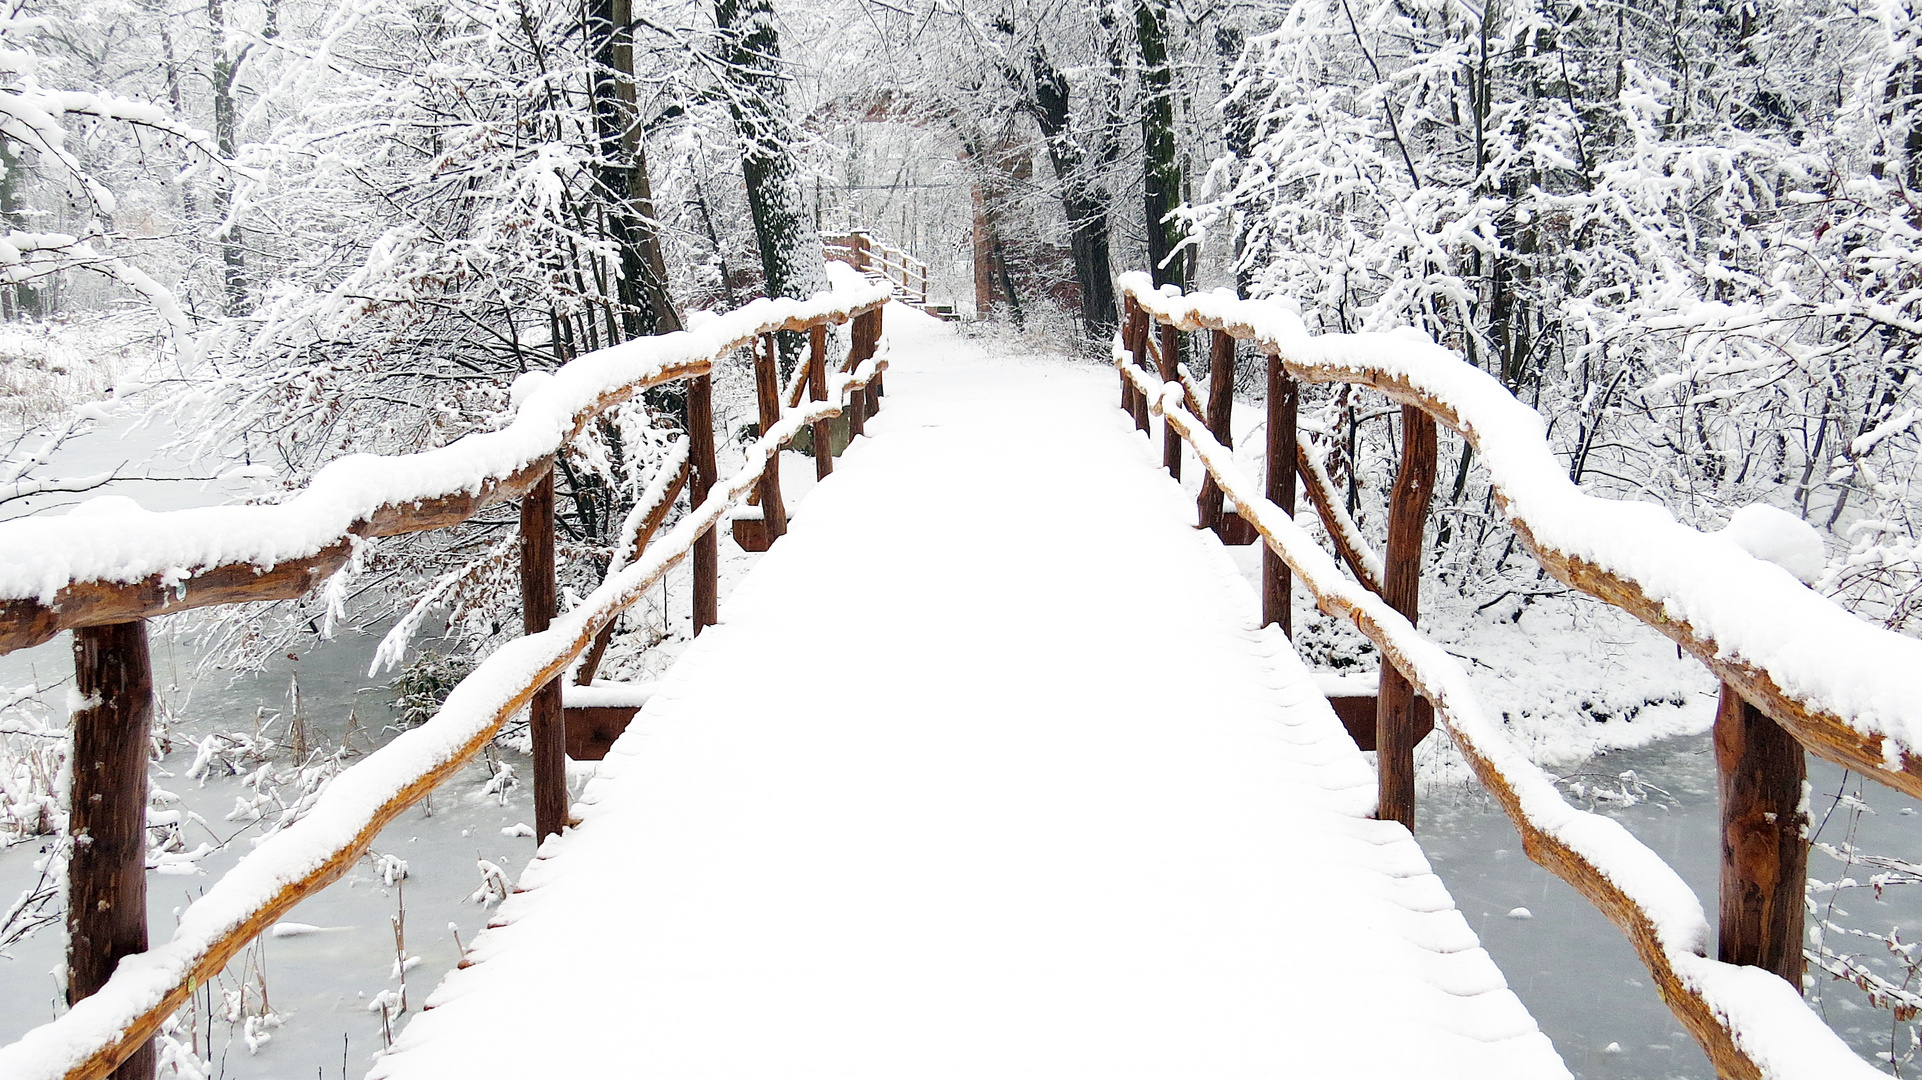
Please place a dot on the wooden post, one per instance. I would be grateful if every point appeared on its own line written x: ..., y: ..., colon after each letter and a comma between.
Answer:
x: 858, y: 248
x: 1130, y: 327
x: 1136, y: 343
x: 1284, y: 398
x: 856, y: 411
x: 546, y: 727
x: 707, y: 555
x: 767, y: 394
x: 1395, y: 702
x: 868, y: 341
x: 860, y: 350
x: 1170, y: 438
x: 1764, y: 853
x: 107, y: 870
x: 874, y: 343
x: 818, y: 391
x: 1221, y: 403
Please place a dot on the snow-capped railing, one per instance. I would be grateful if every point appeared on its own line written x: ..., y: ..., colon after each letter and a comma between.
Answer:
x: 862, y: 251
x: 58, y: 573
x: 86, y: 571
x: 1845, y: 689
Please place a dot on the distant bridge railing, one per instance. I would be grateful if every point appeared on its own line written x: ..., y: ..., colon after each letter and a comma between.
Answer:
x: 864, y: 252
x: 1797, y: 670
x: 102, y: 576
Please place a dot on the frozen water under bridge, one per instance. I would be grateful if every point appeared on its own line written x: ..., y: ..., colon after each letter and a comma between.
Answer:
x: 993, y: 765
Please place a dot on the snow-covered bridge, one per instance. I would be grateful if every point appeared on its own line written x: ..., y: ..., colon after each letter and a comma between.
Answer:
x: 993, y: 765
x: 987, y: 770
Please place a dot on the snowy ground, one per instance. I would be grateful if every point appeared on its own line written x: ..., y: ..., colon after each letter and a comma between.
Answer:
x: 1555, y: 672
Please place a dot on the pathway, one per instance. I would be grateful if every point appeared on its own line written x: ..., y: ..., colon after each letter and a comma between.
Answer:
x: 986, y: 773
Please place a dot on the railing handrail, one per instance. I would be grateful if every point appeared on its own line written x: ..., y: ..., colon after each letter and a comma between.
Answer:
x: 862, y: 255
x: 65, y: 572
x: 1751, y: 1023
x: 1603, y: 546
x: 101, y: 1030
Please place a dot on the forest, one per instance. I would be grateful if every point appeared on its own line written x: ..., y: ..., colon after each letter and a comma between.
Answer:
x: 1684, y: 232
x: 1687, y: 232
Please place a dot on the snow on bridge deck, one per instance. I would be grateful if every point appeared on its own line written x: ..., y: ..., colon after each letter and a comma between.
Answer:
x: 987, y: 772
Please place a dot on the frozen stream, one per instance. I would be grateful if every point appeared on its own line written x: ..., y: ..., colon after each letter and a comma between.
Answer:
x: 323, y: 981
x: 1578, y: 974
x: 319, y: 982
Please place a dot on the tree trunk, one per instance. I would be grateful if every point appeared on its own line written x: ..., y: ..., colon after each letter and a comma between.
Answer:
x: 1081, y: 199
x: 21, y: 299
x: 647, y: 307
x: 757, y: 96
x: 226, y: 69
x: 1238, y: 131
x: 1161, y: 169
x: 983, y: 248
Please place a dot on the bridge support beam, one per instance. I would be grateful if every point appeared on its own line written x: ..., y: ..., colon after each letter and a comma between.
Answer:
x: 1765, y: 853
x: 1284, y: 400
x: 107, y: 870
x: 547, y: 729
x: 1395, y: 725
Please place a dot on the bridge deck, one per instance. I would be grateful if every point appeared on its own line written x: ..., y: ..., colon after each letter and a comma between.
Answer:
x: 985, y: 773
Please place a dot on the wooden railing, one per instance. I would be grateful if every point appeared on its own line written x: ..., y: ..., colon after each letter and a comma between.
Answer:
x: 102, y: 576
x: 1809, y: 675
x: 862, y: 251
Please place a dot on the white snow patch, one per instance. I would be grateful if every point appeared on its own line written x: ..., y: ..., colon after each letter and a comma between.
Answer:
x: 1777, y: 536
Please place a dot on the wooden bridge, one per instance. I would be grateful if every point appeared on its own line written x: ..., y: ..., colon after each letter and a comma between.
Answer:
x: 1011, y: 774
